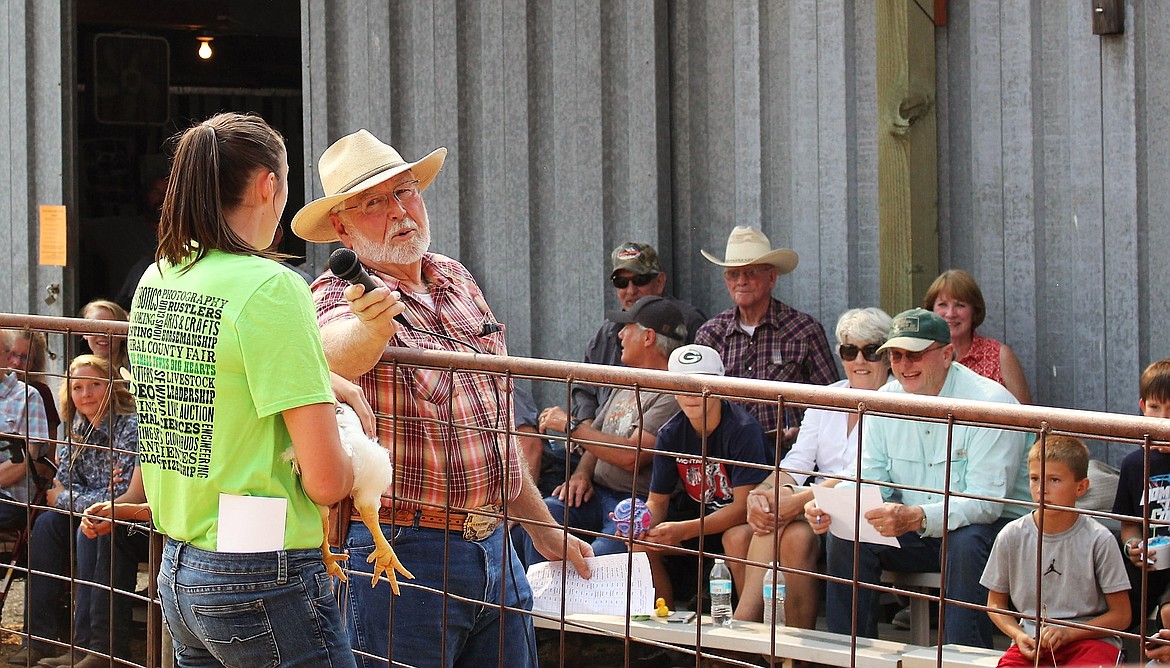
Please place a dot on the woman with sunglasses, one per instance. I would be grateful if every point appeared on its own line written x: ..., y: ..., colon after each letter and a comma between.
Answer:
x: 956, y: 297
x: 827, y: 443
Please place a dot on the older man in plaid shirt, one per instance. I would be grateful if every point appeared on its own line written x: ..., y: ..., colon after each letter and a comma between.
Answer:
x: 762, y: 337
x: 25, y: 427
x: 454, y: 468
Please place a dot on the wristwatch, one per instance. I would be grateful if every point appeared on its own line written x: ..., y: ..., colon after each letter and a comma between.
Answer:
x: 572, y: 426
x: 922, y: 527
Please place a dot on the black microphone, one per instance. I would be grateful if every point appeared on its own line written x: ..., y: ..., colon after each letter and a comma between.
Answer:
x: 344, y: 264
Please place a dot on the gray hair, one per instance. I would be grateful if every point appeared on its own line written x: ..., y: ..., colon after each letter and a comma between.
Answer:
x: 5, y: 344
x: 864, y: 325
x: 663, y: 343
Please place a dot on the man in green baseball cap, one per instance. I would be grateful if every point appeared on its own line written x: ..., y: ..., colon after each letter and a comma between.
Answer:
x: 983, y: 464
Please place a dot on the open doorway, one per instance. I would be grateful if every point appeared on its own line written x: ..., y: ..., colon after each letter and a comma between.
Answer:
x: 141, y: 78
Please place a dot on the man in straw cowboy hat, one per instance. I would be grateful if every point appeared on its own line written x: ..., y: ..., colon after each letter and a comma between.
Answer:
x: 373, y: 204
x: 762, y: 337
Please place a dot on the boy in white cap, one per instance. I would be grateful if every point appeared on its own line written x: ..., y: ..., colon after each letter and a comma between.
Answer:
x: 705, y: 430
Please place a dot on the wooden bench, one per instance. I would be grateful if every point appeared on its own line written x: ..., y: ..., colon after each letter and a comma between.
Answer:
x: 919, y: 607
x: 952, y: 655
x: 750, y: 637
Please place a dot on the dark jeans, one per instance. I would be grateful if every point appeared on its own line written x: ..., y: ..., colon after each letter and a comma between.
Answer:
x: 552, y: 466
x: 13, y: 514
x: 109, y: 561
x: 48, y: 553
x: 967, y: 551
x: 114, y: 560
x: 1157, y: 593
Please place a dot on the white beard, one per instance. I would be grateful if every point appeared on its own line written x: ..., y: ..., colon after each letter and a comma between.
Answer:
x: 384, y: 251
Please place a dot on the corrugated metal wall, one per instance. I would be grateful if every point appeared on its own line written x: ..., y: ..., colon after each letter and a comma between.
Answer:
x: 1054, y: 188
x: 575, y: 125
x: 36, y: 140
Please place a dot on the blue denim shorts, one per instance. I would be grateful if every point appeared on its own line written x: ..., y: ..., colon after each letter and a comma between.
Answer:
x: 256, y: 609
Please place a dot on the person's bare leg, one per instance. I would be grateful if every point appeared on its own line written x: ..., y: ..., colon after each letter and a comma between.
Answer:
x: 799, y: 549
x: 751, y: 601
x: 735, y: 545
x: 662, y: 586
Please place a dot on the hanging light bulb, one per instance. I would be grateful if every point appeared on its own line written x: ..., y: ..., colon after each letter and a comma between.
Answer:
x: 204, y: 47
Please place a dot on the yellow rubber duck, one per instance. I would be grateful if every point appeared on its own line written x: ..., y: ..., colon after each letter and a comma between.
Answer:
x: 660, y: 608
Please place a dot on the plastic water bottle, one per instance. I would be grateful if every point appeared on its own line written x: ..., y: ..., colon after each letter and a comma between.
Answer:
x: 774, y: 587
x: 720, y: 593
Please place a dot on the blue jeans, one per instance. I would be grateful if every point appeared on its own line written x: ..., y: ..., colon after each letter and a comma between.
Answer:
x: 256, y: 609
x: 553, y: 463
x: 49, y: 552
x: 110, y: 560
x: 449, y: 615
x: 593, y: 515
x: 967, y: 551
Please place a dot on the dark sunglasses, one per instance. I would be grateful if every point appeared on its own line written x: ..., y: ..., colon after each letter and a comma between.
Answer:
x: 848, y: 352
x: 640, y: 280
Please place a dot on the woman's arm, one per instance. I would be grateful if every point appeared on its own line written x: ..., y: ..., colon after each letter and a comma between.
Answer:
x: 130, y: 506
x: 326, y: 471
x: 1013, y: 375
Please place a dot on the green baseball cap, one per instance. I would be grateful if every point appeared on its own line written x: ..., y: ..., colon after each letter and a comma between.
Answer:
x: 915, y: 330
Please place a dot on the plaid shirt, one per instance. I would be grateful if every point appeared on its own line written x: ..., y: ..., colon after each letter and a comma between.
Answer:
x: 787, y: 346
x: 23, y: 413
x: 440, y: 435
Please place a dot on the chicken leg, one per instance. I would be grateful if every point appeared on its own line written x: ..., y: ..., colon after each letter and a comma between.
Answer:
x: 383, y: 557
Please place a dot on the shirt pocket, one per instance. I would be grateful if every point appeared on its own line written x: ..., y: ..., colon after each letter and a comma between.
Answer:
x: 783, y: 362
x: 931, y: 473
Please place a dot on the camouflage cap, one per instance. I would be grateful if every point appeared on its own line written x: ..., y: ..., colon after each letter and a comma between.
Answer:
x: 639, y: 258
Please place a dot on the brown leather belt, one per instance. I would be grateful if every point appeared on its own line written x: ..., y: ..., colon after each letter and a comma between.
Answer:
x: 429, y: 518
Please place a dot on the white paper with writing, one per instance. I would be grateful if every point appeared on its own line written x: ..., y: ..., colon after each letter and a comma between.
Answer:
x: 603, y: 594
x: 251, y: 523
x: 839, y: 501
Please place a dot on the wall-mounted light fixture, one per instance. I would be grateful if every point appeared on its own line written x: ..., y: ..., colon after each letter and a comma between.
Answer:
x: 1108, y: 17
x: 205, y: 47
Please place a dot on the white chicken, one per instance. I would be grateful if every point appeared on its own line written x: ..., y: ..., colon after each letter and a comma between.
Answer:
x: 372, y: 474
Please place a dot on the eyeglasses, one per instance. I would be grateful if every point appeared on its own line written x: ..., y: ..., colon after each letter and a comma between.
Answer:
x: 379, y: 203
x: 897, y: 356
x: 848, y: 352
x: 640, y: 280
x: 733, y: 275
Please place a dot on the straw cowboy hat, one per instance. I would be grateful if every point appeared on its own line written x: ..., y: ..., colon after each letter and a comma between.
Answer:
x: 352, y: 164
x: 748, y: 245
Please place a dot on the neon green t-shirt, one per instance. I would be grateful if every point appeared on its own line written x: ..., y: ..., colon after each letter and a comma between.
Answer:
x: 217, y: 353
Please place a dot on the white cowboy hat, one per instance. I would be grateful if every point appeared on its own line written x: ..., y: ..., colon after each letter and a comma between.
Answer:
x: 352, y: 164
x: 748, y: 245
